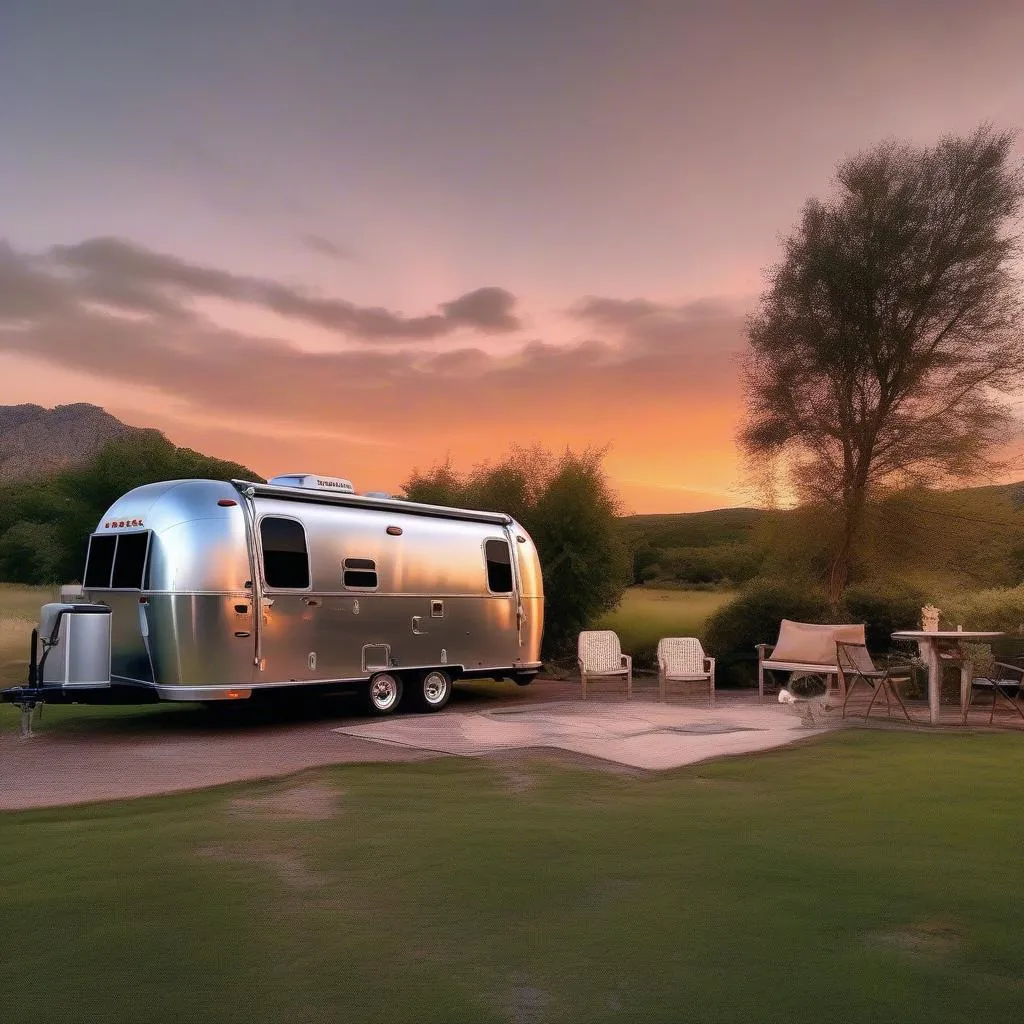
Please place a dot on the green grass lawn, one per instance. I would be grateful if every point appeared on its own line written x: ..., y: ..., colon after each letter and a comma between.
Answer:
x: 863, y: 877
x: 646, y: 615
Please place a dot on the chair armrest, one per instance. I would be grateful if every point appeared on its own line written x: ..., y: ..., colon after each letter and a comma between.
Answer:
x: 709, y: 665
x: 627, y: 661
x: 1012, y: 668
x: 761, y: 648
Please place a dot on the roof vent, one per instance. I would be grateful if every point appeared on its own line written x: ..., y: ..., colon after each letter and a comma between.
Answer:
x: 376, y: 494
x: 313, y: 482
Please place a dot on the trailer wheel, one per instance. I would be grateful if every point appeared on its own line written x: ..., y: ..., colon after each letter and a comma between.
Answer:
x: 383, y: 693
x: 433, y: 690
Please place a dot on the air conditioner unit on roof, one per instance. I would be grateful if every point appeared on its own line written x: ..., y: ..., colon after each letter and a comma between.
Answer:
x: 313, y: 482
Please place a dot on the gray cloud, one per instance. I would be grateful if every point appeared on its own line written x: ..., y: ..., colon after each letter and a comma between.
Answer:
x: 456, y: 391
x: 485, y: 308
x: 630, y: 373
x: 325, y: 247
x: 129, y: 276
x: 26, y: 290
x: 659, y: 325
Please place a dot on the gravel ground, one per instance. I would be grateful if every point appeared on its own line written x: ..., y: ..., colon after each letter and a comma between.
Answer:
x: 190, y: 748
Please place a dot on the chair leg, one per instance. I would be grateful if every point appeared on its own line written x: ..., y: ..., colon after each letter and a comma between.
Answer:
x: 583, y: 685
x: 874, y: 697
x: 760, y: 680
x: 629, y: 684
x: 849, y: 692
x: 899, y: 699
x: 997, y: 690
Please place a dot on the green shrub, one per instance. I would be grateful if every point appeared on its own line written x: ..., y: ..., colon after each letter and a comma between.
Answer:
x: 999, y: 608
x: 718, y: 563
x: 884, y: 609
x: 732, y: 633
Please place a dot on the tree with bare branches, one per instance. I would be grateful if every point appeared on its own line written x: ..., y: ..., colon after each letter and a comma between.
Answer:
x: 890, y: 335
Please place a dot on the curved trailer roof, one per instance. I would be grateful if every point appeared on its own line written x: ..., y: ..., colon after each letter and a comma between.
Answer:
x: 325, y: 497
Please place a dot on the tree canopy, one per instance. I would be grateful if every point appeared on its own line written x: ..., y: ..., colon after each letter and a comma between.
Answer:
x: 572, y: 514
x: 890, y: 334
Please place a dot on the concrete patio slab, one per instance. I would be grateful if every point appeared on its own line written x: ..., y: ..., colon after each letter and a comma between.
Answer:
x: 639, y: 735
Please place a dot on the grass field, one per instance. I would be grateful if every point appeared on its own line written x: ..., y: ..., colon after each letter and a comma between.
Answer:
x: 864, y: 877
x: 19, y: 612
x: 646, y: 615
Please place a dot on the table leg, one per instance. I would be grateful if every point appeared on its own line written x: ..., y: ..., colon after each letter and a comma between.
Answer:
x: 966, y: 678
x: 930, y: 656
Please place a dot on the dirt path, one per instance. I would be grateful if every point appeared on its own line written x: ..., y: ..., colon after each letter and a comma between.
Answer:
x: 134, y: 755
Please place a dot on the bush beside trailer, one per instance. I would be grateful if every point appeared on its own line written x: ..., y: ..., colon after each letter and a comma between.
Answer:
x: 205, y: 590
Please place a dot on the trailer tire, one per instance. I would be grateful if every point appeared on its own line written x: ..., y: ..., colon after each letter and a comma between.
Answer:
x: 383, y: 694
x: 432, y: 690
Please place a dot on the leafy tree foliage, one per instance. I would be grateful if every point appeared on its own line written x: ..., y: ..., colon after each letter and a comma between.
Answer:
x: 45, y: 524
x: 891, y: 332
x: 572, y: 514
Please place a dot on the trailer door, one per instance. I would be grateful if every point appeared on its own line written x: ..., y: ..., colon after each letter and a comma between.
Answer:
x: 501, y: 585
x: 287, y: 649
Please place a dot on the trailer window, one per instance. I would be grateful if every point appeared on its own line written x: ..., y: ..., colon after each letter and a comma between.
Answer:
x: 285, y: 559
x: 99, y: 562
x: 499, y: 567
x: 130, y: 561
x: 360, y: 573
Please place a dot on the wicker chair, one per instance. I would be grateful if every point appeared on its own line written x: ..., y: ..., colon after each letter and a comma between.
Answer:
x: 600, y: 656
x: 855, y: 665
x: 683, y: 659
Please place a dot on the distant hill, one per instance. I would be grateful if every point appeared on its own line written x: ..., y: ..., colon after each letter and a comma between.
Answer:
x: 46, y: 517
x: 736, y: 525
x: 698, y: 529
x: 36, y: 442
x: 974, y: 535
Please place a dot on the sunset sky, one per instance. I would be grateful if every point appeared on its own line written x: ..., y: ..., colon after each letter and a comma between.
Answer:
x: 358, y: 237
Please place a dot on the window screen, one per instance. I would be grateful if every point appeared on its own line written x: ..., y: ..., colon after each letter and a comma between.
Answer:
x: 360, y: 573
x: 130, y: 560
x: 99, y: 562
x: 285, y: 560
x: 499, y: 567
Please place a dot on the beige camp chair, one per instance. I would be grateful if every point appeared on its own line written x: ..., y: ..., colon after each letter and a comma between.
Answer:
x: 855, y: 664
x: 683, y: 659
x: 600, y: 656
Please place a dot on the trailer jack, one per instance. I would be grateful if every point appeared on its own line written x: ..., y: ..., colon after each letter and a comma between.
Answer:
x: 28, y: 698
x: 28, y: 709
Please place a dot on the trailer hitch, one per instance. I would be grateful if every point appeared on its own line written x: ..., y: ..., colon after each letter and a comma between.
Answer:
x: 29, y: 697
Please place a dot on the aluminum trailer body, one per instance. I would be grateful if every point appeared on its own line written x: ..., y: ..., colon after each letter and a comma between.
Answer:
x: 219, y: 589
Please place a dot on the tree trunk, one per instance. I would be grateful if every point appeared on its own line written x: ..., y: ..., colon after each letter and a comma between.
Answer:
x: 839, y: 572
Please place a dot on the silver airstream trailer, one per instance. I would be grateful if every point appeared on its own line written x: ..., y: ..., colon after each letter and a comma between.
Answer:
x: 202, y: 590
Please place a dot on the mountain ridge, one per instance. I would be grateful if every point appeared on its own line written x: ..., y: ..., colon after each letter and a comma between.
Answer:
x: 36, y: 441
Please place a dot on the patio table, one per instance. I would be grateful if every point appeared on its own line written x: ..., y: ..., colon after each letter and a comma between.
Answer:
x: 929, y: 644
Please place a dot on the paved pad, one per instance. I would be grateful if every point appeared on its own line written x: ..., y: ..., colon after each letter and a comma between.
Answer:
x: 651, y: 736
